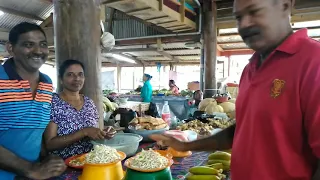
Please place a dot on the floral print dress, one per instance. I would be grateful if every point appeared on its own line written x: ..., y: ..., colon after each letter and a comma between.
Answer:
x: 70, y: 120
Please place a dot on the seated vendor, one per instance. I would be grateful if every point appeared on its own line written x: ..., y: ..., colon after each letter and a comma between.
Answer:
x: 173, y: 87
x: 74, y: 117
x: 197, y: 98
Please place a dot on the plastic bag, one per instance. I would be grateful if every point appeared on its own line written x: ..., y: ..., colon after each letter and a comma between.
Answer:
x: 107, y: 41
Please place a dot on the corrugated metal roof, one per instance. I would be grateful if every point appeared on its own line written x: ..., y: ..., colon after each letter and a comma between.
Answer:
x: 234, y: 38
x: 146, y: 53
x: 8, y: 21
x: 33, y: 7
x: 153, y: 58
x: 124, y: 26
x: 184, y: 52
x: 189, y: 58
x: 234, y: 46
x: 168, y: 46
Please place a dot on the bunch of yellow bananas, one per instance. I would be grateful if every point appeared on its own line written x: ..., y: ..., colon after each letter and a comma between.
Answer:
x: 218, y: 162
x: 222, y: 157
x: 212, y: 172
x: 108, y: 105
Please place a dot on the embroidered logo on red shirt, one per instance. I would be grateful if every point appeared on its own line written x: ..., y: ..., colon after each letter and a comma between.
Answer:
x: 277, y: 86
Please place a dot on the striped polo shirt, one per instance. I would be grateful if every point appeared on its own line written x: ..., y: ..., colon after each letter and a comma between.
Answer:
x: 23, y: 118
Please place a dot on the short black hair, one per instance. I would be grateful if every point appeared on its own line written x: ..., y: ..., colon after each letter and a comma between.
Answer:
x: 22, y: 28
x: 195, y: 92
x: 172, y: 81
x: 66, y: 64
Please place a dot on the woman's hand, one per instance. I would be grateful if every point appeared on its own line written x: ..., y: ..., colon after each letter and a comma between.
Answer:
x: 94, y: 133
x: 110, y: 132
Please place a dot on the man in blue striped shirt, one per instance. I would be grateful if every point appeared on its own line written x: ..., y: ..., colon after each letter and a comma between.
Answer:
x: 25, y: 102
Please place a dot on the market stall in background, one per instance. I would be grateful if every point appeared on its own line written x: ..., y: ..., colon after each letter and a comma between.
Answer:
x: 189, y: 45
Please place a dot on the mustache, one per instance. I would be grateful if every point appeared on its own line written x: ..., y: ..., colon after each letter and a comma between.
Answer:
x: 249, y: 31
x: 43, y: 56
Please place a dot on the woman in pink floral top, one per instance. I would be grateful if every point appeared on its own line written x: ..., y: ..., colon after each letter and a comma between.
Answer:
x: 74, y: 117
x: 173, y: 87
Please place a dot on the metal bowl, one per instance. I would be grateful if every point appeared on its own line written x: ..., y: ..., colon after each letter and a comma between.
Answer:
x: 125, y: 142
x: 122, y: 100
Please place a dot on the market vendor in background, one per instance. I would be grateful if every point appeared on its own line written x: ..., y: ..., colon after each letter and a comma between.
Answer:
x: 146, y: 90
x: 276, y: 136
x: 194, y: 103
x: 173, y: 87
x: 74, y: 117
x: 198, y: 97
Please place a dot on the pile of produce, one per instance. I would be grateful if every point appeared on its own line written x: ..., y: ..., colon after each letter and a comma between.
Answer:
x: 102, y: 154
x: 162, y: 91
x: 210, y: 106
x: 221, y: 123
x: 197, y: 126
x: 148, y: 159
x: 147, y: 123
x: 186, y: 93
x: 133, y: 93
x: 220, y: 157
x: 218, y: 162
x: 108, y: 106
x: 106, y: 92
x: 205, y: 129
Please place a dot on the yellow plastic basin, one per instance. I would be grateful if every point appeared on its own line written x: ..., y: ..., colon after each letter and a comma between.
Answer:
x: 112, y: 171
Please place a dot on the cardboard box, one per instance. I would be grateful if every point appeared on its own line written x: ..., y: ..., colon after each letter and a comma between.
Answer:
x: 194, y: 86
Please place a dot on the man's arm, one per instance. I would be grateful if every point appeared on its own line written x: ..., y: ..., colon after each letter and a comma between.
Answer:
x: 50, y: 167
x: 220, y: 141
x: 12, y: 163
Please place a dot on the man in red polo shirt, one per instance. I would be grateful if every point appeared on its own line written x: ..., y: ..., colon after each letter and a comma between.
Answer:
x: 277, y: 136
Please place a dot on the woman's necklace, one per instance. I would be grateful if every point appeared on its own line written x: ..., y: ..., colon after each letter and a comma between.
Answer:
x: 76, y: 103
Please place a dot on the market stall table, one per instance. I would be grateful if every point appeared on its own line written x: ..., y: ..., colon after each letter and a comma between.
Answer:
x: 136, y: 106
x: 179, y: 106
x: 179, y: 169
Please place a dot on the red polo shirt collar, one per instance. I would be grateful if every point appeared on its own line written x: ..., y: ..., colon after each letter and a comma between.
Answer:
x: 288, y: 46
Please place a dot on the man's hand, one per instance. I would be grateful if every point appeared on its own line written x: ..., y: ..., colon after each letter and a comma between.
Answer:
x: 51, y: 167
x: 164, y: 140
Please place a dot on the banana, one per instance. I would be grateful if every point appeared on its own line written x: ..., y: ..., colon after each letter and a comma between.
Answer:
x: 115, y: 105
x: 226, y: 168
x: 222, y: 176
x: 104, y: 107
x: 220, y: 155
x: 203, y: 177
x: 203, y: 170
x: 217, y: 166
x: 108, y: 103
x: 226, y: 164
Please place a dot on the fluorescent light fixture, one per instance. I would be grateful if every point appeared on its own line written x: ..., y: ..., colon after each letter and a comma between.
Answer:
x: 123, y: 58
x: 1, y: 13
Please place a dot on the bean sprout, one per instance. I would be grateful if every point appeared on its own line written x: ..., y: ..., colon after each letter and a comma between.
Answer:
x: 102, y: 154
x: 148, y: 160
